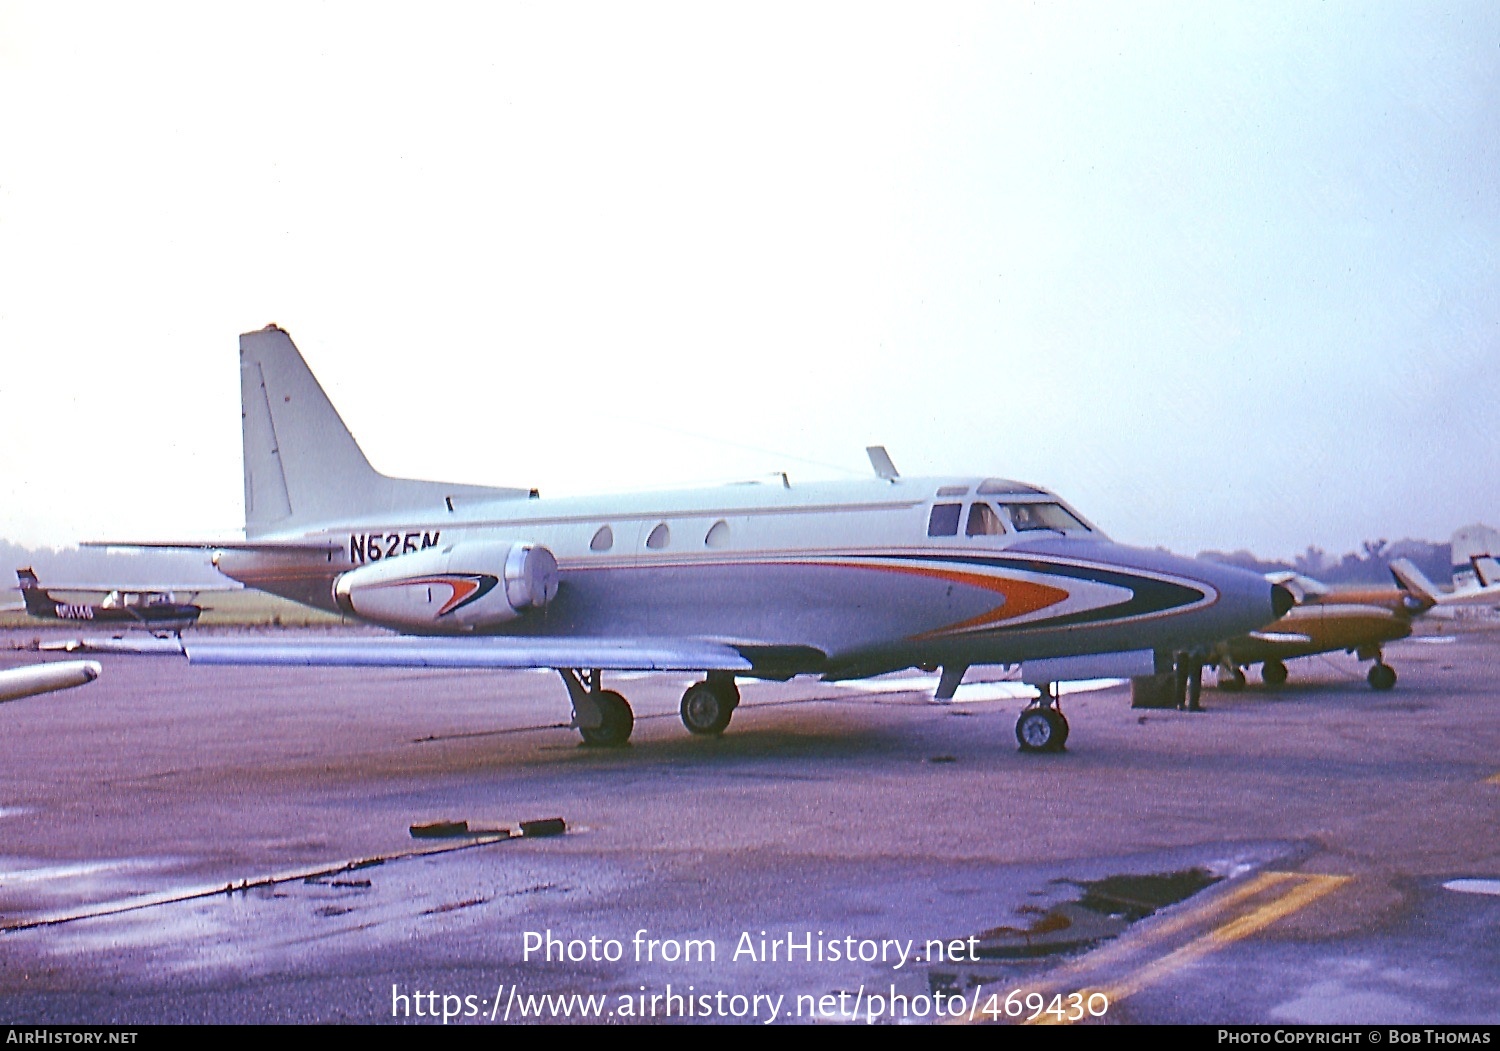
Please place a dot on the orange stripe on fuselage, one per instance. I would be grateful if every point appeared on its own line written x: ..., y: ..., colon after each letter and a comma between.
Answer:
x: 1021, y: 596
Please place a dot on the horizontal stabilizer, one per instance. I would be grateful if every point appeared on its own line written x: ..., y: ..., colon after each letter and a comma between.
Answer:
x: 1414, y: 581
x: 289, y: 546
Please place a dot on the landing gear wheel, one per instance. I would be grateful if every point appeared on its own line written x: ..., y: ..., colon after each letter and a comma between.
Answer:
x: 619, y: 720
x: 726, y: 689
x: 1382, y: 676
x: 1273, y: 673
x: 1041, y: 730
x: 706, y: 709
x: 1064, y: 729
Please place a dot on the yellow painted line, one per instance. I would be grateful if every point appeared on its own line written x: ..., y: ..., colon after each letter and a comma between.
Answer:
x: 1309, y: 890
x: 1492, y: 780
x: 1123, y: 947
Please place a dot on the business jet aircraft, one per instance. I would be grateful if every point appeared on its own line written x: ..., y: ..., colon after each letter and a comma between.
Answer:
x: 842, y: 580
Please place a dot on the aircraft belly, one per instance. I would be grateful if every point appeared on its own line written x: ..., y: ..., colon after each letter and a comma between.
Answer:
x: 830, y: 608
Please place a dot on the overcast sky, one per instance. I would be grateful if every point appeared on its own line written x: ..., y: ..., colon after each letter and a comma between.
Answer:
x: 1223, y: 276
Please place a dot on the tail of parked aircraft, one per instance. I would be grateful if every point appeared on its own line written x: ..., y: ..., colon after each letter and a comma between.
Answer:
x: 1421, y: 593
x: 38, y: 602
x: 302, y: 466
x: 1475, y: 549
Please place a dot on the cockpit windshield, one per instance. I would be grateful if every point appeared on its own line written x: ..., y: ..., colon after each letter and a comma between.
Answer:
x: 1054, y: 517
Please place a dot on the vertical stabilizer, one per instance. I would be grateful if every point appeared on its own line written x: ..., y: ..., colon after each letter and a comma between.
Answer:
x: 303, y: 468
x: 1469, y: 543
x: 38, y: 602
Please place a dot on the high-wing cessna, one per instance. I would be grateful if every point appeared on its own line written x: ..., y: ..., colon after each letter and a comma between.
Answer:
x: 158, y: 611
x: 842, y: 580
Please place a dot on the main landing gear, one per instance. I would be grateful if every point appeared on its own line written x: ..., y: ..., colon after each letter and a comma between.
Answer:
x: 1041, y: 726
x: 602, y: 717
x: 604, y: 720
x: 1231, y: 676
x: 1382, y: 676
x: 708, y: 706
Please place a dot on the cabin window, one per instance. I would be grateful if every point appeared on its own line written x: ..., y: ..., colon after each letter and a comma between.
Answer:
x: 944, y: 520
x: 983, y: 521
x: 718, y: 535
x: 603, y: 540
x: 953, y: 490
x: 660, y: 537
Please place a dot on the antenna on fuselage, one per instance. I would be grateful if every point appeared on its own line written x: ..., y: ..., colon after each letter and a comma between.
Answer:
x: 881, y: 461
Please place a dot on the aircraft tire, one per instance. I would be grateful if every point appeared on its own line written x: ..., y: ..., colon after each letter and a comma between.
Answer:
x: 1063, y: 731
x: 727, y: 689
x: 618, y: 723
x: 1382, y: 676
x: 706, y: 710
x: 1041, y: 730
x: 1273, y: 673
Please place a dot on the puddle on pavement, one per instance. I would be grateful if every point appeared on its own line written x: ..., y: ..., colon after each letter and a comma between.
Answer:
x: 1105, y: 908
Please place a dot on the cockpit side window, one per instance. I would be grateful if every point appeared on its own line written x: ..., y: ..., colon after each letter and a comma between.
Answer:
x: 983, y: 521
x: 944, y: 520
x: 1025, y: 517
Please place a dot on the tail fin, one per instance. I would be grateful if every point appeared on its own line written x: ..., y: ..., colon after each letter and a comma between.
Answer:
x: 38, y: 602
x: 302, y: 466
x: 1469, y: 543
x: 1487, y: 570
x: 1422, y: 595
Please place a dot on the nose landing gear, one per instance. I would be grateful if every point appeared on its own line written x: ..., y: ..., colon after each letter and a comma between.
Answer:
x: 1041, y: 727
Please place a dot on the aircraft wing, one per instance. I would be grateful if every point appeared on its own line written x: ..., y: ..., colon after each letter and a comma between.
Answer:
x: 1288, y: 638
x: 407, y: 651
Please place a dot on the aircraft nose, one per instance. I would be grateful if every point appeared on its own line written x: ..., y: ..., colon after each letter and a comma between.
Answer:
x: 1282, y: 600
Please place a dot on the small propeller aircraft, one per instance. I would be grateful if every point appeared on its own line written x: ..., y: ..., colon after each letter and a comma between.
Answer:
x: 158, y: 610
x: 841, y: 580
x: 1359, y: 620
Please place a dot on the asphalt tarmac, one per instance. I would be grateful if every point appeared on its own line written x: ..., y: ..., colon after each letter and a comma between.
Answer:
x: 186, y: 844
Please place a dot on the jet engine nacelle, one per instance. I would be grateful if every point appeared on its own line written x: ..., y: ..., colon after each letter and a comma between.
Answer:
x: 462, y: 587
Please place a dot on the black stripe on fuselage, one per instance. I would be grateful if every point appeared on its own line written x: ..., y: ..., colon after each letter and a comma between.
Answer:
x: 1147, y: 594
